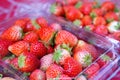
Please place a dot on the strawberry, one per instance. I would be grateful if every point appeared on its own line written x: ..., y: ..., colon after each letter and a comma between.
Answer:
x: 50, y: 49
x: 83, y: 46
x: 38, y: 49
x: 107, y: 6
x: 115, y: 35
x: 82, y: 77
x: 99, y: 21
x: 4, y: 47
x: 86, y: 8
x: 14, y: 63
x: 110, y: 16
x: 87, y: 20
x: 37, y: 75
x: 29, y: 27
x: 96, y: 12
x: 90, y: 27
x: 69, y: 2
x: 46, y: 34
x: 63, y: 77
x: 92, y: 70
x: 56, y: 9
x: 22, y: 22
x: 13, y: 33
x: 56, y: 26
x: 54, y: 71
x: 42, y: 22
x: 84, y: 58
x: 30, y: 37
x: 61, y: 54
x: 46, y: 61
x: 103, y: 60
x: 27, y: 62
x: 18, y: 47
x: 72, y: 13
x: 101, y: 29
x: 113, y: 26
x: 66, y: 37
x: 71, y: 67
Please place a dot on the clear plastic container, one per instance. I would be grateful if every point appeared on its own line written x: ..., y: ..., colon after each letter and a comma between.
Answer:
x: 103, y: 46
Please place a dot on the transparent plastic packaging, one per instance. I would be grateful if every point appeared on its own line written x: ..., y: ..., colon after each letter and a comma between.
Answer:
x: 103, y: 46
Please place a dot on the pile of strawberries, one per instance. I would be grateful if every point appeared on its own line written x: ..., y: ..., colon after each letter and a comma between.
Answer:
x: 43, y: 51
x: 102, y: 18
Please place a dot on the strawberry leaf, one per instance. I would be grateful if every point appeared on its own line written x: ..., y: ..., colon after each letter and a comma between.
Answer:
x: 21, y: 60
x: 35, y: 24
x: 105, y: 58
x: 77, y: 22
x: 116, y: 10
x: 65, y: 46
x: 1, y: 76
x: 88, y: 59
x: 57, y: 55
x: 26, y: 74
x: 93, y: 15
x: 52, y: 8
x: 118, y: 26
x: 87, y: 28
x: 78, y: 5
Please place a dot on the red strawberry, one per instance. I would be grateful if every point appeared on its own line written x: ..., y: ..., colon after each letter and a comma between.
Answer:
x: 50, y: 49
x: 37, y: 75
x: 56, y: 9
x: 22, y: 22
x: 71, y: 67
x: 90, y: 27
x: 13, y: 33
x: 28, y: 62
x: 110, y: 16
x: 29, y: 27
x: 46, y: 61
x: 38, y: 49
x: 42, y: 22
x: 96, y: 12
x: 107, y: 6
x: 101, y: 29
x: 99, y: 21
x: 86, y: 8
x: 92, y: 70
x: 4, y: 47
x: 66, y: 37
x: 19, y: 47
x: 69, y: 2
x: 63, y: 77
x: 30, y: 37
x: 72, y: 13
x: 103, y: 60
x: 46, y: 34
x: 83, y: 46
x: 54, y: 71
x: 86, y: 20
x: 115, y: 35
x: 56, y: 26
x: 61, y: 54
x: 14, y: 63
x: 82, y: 77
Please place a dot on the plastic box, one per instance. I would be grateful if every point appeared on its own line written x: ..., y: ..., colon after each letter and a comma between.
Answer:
x: 102, y: 45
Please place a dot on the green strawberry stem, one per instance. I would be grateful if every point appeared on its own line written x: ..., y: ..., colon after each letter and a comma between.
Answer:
x: 78, y: 5
x: 57, y: 55
x: 52, y: 8
x: 88, y: 28
x: 1, y: 76
x: 26, y: 74
x: 65, y: 46
x: 88, y: 59
x: 21, y: 60
x: 93, y: 15
x: 105, y: 58
x: 35, y: 24
x: 77, y: 22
